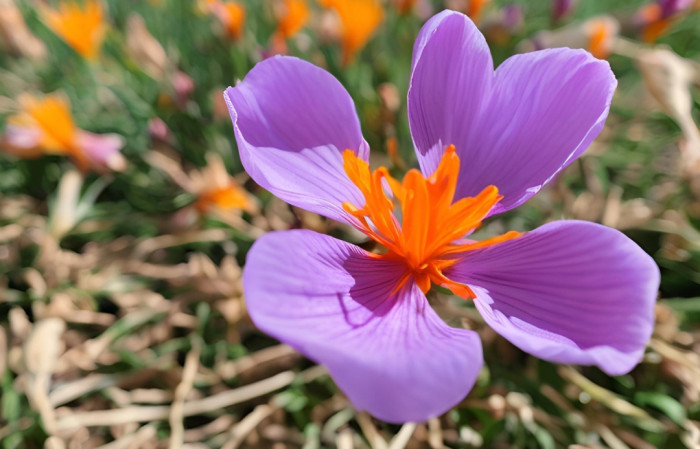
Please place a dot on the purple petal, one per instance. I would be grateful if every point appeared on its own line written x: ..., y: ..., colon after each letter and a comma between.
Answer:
x: 293, y: 121
x: 451, y: 78
x: 389, y: 352
x: 515, y: 129
x: 100, y: 149
x: 569, y: 292
x: 671, y: 7
x: 21, y: 138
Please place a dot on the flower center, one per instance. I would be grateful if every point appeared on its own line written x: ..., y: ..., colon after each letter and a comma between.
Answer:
x: 427, y: 238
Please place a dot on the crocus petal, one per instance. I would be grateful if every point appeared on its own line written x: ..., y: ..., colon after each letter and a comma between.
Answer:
x: 569, y: 292
x: 514, y: 129
x: 452, y: 74
x: 101, y: 150
x: 292, y: 122
x: 388, y: 351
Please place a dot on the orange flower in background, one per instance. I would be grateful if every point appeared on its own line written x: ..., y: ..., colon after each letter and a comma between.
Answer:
x: 46, y: 126
x: 82, y: 27
x: 359, y: 19
x: 216, y: 189
x: 602, y: 34
x: 291, y: 17
x: 657, y: 18
x: 224, y: 197
x: 216, y: 192
x: 404, y: 6
x: 598, y: 35
x: 476, y: 7
x: 654, y: 24
x: 472, y: 8
x: 231, y: 15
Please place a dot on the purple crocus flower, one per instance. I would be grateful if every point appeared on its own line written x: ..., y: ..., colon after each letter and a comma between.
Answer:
x: 569, y: 291
x: 671, y: 7
x: 561, y: 8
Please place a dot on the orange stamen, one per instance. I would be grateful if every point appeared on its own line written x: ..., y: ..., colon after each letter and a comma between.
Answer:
x: 426, y: 238
x: 82, y: 27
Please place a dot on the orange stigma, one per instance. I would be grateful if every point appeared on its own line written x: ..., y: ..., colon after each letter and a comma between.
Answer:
x: 426, y: 238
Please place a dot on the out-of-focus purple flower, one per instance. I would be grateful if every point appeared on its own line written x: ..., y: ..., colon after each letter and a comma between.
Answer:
x: 102, y: 150
x: 183, y: 85
x: 562, y: 8
x: 569, y: 291
x: 513, y: 16
x: 671, y: 7
x: 158, y: 130
x: 500, y: 25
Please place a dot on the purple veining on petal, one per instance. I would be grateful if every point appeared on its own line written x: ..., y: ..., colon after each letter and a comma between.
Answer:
x: 451, y: 76
x: 292, y: 122
x: 388, y: 351
x: 515, y: 128
x: 569, y: 292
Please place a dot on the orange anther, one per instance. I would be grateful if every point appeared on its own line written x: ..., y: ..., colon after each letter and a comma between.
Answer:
x: 425, y: 239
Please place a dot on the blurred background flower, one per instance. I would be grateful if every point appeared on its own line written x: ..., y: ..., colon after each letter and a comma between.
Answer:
x: 291, y: 16
x: 562, y: 9
x: 81, y: 25
x: 45, y: 126
x: 231, y: 15
x: 598, y: 35
x: 358, y: 19
x: 656, y: 18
